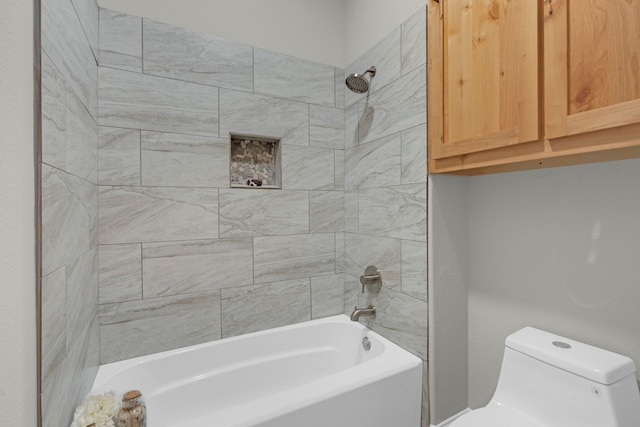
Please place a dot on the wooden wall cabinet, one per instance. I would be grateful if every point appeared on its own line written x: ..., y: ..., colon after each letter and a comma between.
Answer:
x: 523, y: 84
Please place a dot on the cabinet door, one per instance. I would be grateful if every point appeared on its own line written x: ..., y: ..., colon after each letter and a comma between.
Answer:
x: 484, y: 76
x: 592, y: 65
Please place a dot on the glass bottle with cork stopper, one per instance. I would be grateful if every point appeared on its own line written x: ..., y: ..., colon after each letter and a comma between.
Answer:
x: 133, y: 412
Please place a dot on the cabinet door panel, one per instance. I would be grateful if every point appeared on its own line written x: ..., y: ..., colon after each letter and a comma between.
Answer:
x: 490, y: 85
x: 592, y: 65
x: 604, y: 54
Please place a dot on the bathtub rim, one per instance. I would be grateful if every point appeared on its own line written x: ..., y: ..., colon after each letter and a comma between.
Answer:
x: 393, y: 361
x: 108, y: 370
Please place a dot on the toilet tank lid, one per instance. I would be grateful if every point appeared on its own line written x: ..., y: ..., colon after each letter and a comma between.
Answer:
x: 596, y: 364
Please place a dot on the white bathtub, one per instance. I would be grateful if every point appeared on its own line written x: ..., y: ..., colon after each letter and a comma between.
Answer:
x: 312, y: 374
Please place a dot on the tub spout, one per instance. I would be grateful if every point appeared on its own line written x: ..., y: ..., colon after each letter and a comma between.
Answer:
x: 357, y: 312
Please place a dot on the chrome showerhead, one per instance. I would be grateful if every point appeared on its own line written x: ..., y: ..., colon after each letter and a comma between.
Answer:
x: 358, y: 83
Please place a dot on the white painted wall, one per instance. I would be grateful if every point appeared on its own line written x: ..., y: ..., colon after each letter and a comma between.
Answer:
x: 333, y: 32
x: 447, y: 253
x: 18, y: 392
x: 308, y: 29
x: 556, y: 249
x: 368, y: 21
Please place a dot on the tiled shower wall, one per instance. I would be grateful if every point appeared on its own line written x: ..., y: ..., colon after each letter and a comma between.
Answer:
x: 386, y: 188
x: 183, y: 258
x: 69, y: 196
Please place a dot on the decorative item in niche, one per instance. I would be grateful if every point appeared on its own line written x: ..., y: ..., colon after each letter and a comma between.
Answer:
x: 255, y: 162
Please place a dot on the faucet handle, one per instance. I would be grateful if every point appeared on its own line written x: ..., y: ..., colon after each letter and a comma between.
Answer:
x: 372, y: 278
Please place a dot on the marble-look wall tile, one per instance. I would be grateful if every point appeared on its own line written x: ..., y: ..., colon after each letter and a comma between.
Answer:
x: 279, y: 75
x: 120, y: 41
x: 351, y: 118
x: 54, y: 113
x: 140, y: 101
x: 197, y: 266
x: 291, y: 257
x: 120, y: 273
x: 69, y: 212
x: 64, y: 40
x: 247, y: 212
x: 81, y: 291
x: 327, y: 295
x: 71, y: 380
x: 351, y: 211
x: 83, y: 361
x: 425, y: 417
x: 414, y: 269
x: 326, y: 127
x: 118, y: 156
x: 386, y: 57
x: 182, y: 54
x: 339, y: 252
x: 414, y: 155
x: 69, y: 206
x: 398, y: 211
x: 82, y: 140
x: 338, y: 181
x: 339, y: 87
x: 326, y: 211
x: 87, y: 11
x: 251, y: 114
x: 385, y: 187
x: 396, y: 107
x: 56, y: 410
x: 53, y: 323
x: 258, y: 307
x: 307, y: 168
x: 375, y: 164
x: 137, y: 328
x: 148, y: 214
x: 414, y: 41
x: 175, y: 160
x: 351, y: 291
x: 399, y: 318
x: 383, y: 252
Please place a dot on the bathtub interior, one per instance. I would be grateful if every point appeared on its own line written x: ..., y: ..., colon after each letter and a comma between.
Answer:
x: 215, y: 381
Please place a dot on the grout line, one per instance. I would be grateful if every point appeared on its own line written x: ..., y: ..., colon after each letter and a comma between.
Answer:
x: 181, y: 133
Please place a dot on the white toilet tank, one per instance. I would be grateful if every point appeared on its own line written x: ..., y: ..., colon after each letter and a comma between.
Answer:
x: 559, y: 382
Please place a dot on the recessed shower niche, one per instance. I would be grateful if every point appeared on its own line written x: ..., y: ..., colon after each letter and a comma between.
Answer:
x: 255, y: 162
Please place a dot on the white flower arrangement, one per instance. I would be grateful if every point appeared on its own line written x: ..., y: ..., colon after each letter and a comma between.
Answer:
x: 99, y: 409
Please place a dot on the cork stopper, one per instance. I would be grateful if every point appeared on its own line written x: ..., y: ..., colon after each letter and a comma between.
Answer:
x: 132, y: 394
